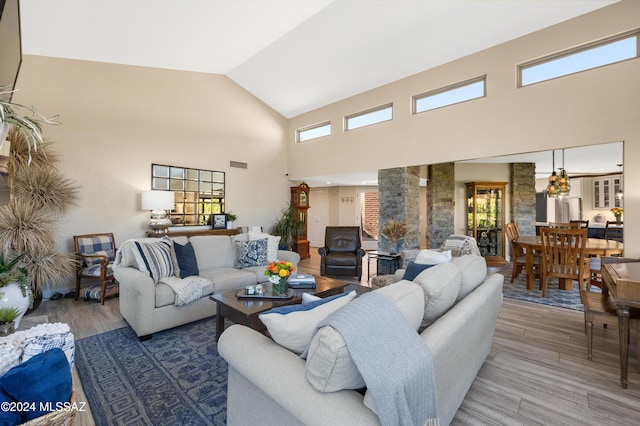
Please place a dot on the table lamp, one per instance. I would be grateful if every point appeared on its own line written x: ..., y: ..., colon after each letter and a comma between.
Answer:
x: 158, y: 202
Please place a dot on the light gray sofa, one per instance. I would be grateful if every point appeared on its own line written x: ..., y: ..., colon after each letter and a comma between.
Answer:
x: 268, y: 384
x: 149, y: 307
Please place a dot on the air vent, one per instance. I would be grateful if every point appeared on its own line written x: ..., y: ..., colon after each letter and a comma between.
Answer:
x: 238, y: 164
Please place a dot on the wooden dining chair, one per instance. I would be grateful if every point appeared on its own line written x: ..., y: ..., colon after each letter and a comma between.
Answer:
x: 601, y: 307
x: 518, y: 253
x: 582, y: 223
x: 613, y: 230
x: 564, y: 225
x: 563, y: 256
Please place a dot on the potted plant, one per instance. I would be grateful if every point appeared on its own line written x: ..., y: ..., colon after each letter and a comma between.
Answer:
x: 230, y: 219
x: 15, y: 291
x: 7, y: 323
x: 39, y: 196
x: 288, y: 227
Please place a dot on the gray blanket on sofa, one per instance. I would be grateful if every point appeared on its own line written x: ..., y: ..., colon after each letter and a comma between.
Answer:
x: 394, y: 362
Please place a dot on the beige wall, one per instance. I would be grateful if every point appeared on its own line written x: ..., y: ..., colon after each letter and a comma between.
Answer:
x: 588, y: 108
x: 118, y: 120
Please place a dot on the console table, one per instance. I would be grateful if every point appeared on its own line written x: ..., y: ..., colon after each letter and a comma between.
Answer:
x: 623, y: 282
x: 187, y: 233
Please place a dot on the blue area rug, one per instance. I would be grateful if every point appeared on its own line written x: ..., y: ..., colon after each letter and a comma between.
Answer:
x: 176, y: 378
x: 555, y: 297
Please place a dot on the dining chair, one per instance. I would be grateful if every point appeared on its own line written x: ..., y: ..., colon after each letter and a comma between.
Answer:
x: 564, y: 225
x: 582, y: 223
x: 613, y: 230
x: 518, y: 253
x: 563, y: 256
x: 601, y: 307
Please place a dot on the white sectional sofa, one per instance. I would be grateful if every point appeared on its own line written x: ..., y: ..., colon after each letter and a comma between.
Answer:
x: 148, y: 303
x: 459, y: 337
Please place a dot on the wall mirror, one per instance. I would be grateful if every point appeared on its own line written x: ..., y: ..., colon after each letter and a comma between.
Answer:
x: 198, y: 193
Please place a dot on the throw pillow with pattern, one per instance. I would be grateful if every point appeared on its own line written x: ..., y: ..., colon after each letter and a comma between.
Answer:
x: 251, y: 253
x: 155, y: 258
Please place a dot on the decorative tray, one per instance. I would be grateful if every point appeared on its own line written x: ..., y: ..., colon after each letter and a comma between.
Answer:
x: 266, y: 295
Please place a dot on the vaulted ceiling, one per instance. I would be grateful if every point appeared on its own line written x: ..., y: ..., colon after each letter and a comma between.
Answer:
x: 295, y: 55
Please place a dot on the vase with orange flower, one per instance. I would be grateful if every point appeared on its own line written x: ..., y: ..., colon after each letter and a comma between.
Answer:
x: 279, y: 273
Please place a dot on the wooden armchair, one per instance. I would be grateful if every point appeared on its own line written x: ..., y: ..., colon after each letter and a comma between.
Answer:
x: 95, y: 255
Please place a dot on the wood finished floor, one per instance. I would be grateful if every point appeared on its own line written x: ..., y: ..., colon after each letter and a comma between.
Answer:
x: 536, y: 374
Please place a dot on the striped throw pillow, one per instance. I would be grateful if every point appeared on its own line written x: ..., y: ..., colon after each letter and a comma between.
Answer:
x: 154, y: 258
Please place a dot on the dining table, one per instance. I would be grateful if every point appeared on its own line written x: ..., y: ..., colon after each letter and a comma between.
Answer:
x: 623, y: 282
x: 595, y: 247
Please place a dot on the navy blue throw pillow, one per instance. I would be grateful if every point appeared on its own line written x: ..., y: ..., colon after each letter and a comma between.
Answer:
x: 186, y: 260
x: 414, y: 269
x: 44, y: 380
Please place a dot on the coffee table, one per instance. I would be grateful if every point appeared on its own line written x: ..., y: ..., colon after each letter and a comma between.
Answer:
x: 245, y: 311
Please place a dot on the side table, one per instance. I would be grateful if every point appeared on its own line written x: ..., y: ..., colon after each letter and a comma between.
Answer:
x: 386, y: 263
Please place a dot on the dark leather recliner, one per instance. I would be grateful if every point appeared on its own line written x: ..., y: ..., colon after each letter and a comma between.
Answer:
x: 342, y: 252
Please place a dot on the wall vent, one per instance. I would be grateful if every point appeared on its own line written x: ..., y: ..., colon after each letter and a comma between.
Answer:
x: 238, y: 164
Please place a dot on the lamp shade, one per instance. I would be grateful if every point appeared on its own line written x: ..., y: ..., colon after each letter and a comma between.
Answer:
x: 157, y: 200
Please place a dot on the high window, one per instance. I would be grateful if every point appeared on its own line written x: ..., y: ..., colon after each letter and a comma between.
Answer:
x: 450, y: 95
x: 369, y: 117
x: 313, y: 132
x: 593, y: 55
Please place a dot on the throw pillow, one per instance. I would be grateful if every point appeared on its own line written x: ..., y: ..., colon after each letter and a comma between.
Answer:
x: 272, y: 244
x: 473, y: 269
x: 440, y: 285
x: 329, y: 366
x: 251, y: 253
x: 186, y: 258
x: 433, y: 257
x: 414, y: 269
x: 291, y: 326
x: 154, y: 258
x: 45, y: 378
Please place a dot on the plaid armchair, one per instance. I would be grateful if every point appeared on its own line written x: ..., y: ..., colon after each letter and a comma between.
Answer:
x: 95, y: 255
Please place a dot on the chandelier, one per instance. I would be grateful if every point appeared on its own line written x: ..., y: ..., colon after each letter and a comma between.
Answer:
x: 552, y: 187
x: 559, y: 186
x: 564, y: 187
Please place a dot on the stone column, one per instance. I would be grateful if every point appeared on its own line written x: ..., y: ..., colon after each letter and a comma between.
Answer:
x: 441, y: 188
x: 523, y: 197
x: 398, y: 192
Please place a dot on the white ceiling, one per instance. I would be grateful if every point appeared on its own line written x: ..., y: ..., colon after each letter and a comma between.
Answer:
x: 295, y: 55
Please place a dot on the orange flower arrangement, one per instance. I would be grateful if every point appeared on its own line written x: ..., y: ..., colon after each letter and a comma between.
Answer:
x: 280, y: 269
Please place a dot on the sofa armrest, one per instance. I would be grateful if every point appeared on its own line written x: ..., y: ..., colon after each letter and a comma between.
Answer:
x: 322, y: 251
x: 279, y: 374
x: 289, y: 256
x: 137, y: 297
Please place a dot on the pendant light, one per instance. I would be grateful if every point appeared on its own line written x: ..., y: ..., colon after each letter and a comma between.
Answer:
x: 620, y: 194
x: 564, y: 187
x: 552, y: 187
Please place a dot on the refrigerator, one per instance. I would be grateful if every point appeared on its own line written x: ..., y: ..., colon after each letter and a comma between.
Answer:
x: 564, y: 210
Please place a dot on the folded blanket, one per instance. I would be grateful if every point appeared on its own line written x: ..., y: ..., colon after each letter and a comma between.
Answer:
x: 394, y: 362
x: 186, y: 289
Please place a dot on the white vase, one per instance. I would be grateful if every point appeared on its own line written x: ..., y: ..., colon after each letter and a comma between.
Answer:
x: 230, y: 224
x: 11, y: 297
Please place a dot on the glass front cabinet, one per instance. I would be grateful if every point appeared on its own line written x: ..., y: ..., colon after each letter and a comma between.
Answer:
x: 485, y: 216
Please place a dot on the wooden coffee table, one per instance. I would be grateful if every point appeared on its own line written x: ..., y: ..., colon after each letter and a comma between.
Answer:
x: 245, y: 311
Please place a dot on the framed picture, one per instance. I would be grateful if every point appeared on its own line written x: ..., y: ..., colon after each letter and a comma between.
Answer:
x: 219, y: 221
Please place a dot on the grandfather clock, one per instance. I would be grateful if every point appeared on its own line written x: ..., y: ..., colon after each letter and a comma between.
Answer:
x: 300, y: 201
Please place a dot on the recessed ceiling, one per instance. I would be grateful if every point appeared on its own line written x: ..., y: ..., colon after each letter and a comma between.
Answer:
x: 294, y: 55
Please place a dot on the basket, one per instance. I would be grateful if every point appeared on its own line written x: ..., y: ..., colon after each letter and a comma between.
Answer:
x: 57, y: 418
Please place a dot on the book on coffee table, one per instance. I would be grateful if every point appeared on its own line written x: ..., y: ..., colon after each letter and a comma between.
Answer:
x: 302, y: 281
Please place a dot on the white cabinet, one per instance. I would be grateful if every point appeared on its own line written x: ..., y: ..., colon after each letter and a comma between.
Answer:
x: 604, y: 192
